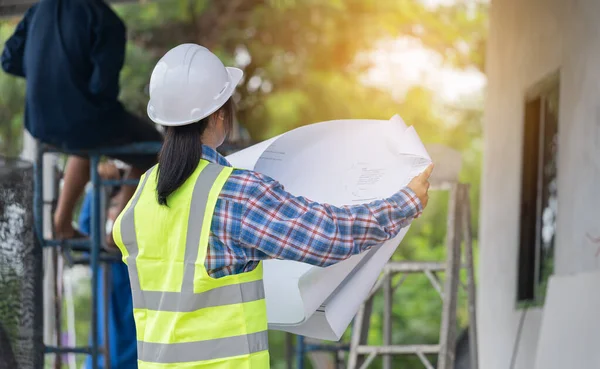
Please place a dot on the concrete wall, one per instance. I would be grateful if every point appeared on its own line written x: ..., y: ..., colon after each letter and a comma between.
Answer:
x: 530, y: 39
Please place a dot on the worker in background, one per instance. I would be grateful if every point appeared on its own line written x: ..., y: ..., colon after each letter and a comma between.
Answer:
x: 121, y: 326
x: 70, y: 53
x: 196, y: 231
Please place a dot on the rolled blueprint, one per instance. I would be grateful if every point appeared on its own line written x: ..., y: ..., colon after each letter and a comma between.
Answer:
x: 341, y: 162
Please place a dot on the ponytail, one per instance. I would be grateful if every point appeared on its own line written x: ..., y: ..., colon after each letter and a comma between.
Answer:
x: 179, y: 157
x: 181, y: 152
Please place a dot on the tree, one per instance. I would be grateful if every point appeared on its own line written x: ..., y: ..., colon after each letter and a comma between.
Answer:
x: 301, y: 62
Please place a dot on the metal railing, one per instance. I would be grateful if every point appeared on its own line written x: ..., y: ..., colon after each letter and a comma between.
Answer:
x: 92, y: 246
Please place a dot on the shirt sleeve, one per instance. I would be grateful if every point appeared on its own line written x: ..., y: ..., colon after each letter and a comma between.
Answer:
x: 278, y: 225
x: 14, y: 48
x: 107, y: 52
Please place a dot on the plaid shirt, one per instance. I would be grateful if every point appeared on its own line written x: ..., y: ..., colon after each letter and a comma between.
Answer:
x: 256, y: 219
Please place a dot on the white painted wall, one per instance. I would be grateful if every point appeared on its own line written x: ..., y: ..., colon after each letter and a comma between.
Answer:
x: 530, y: 39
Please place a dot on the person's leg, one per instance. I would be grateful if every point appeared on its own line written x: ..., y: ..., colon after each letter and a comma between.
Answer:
x: 123, y: 322
x: 77, y: 175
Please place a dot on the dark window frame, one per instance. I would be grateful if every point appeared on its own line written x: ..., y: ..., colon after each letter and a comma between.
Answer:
x: 538, y: 190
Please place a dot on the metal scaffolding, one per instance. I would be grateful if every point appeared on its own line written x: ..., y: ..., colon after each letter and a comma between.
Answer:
x: 93, y: 247
x: 459, y: 230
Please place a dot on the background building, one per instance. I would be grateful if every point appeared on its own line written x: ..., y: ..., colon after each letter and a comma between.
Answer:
x: 541, y: 153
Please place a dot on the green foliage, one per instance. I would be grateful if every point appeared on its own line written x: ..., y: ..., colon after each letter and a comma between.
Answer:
x: 302, y: 63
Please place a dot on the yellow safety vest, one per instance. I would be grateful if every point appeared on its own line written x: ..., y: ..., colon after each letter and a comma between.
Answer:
x: 184, y: 318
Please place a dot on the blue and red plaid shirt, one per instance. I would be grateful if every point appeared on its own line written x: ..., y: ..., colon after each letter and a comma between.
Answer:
x: 256, y: 219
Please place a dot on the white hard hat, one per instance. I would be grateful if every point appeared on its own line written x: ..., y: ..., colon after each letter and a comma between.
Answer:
x: 189, y: 83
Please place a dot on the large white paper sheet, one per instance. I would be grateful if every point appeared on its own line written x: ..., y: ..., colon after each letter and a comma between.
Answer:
x: 343, y: 162
x: 247, y: 158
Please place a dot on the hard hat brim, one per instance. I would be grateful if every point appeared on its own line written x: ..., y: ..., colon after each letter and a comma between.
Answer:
x: 235, y: 76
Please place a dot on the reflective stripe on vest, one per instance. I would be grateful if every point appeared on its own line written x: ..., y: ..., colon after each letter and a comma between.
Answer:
x: 157, y: 311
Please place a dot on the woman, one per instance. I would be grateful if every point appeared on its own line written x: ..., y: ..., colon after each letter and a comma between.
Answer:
x: 196, y: 230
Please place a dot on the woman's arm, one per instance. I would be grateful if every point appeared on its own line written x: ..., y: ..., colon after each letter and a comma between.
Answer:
x: 276, y: 224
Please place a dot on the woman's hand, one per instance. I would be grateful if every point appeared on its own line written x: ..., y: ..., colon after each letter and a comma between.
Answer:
x: 420, y: 186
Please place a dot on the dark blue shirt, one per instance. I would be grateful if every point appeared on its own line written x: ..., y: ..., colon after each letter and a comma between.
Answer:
x: 71, y: 53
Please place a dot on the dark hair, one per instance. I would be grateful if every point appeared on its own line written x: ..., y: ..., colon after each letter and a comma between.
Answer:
x: 182, y: 150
